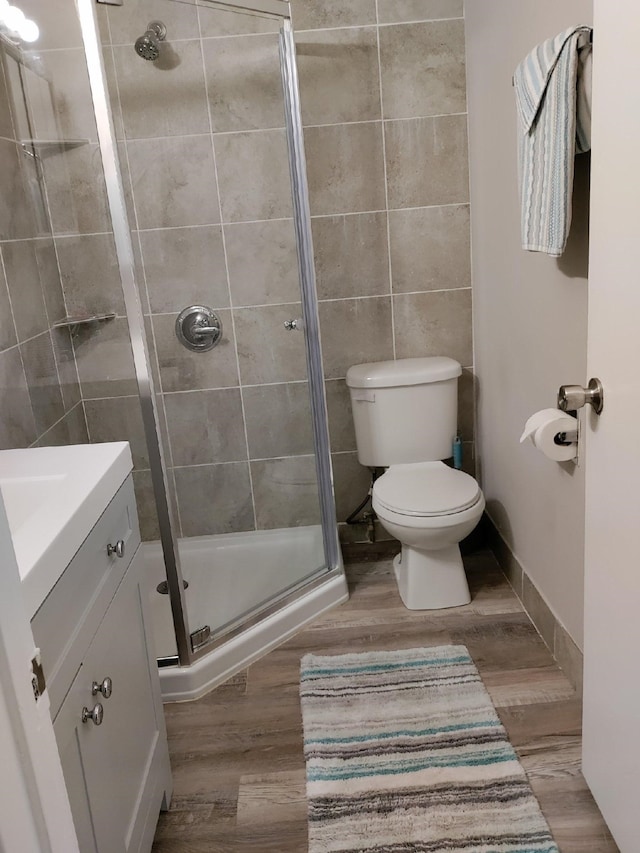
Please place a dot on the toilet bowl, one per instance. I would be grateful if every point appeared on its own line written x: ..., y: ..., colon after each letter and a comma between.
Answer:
x: 429, y: 508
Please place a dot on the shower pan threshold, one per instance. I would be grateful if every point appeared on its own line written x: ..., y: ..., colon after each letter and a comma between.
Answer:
x: 231, y: 575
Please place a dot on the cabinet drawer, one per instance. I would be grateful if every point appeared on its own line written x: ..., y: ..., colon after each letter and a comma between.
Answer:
x: 69, y: 617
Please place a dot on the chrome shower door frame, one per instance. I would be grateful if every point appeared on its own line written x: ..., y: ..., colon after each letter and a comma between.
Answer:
x: 307, y: 274
x: 135, y: 318
x: 124, y: 250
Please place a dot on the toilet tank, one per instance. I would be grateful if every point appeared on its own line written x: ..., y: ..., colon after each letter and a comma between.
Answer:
x: 404, y: 410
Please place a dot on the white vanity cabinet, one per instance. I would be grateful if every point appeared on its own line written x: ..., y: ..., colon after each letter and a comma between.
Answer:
x: 102, y: 677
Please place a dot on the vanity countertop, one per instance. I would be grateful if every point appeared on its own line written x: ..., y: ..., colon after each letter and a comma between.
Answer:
x: 53, y: 497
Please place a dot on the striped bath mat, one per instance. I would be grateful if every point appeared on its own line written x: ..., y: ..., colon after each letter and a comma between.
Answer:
x: 405, y: 752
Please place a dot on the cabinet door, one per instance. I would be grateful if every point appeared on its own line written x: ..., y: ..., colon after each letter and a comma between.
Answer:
x: 112, y: 760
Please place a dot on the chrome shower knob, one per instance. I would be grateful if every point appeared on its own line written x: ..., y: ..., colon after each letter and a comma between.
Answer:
x: 198, y: 328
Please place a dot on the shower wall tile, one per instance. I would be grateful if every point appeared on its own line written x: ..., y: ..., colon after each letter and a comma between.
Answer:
x: 68, y: 97
x: 129, y: 21
x: 76, y: 191
x: 355, y: 331
x: 253, y: 172
x: 185, y: 266
x: 67, y: 369
x: 268, y: 272
x: 42, y: 380
x: 244, y: 83
x: 423, y: 69
x: 322, y: 14
x: 104, y: 359
x: 351, y: 480
x: 436, y: 323
x: 6, y: 117
x: 147, y: 515
x: 345, y: 63
x: 278, y: 420
x: 215, y: 499
x: 162, y: 98
x: 206, y: 427
x: 341, y: 430
x: 90, y: 276
x: 267, y: 352
x: 285, y: 492
x: 71, y: 429
x: 351, y: 255
x: 49, y: 270
x: 396, y: 11
x: 174, y: 181
x: 24, y: 279
x: 19, y: 218
x: 183, y: 370
x: 338, y: 183
x: 427, y: 161
x: 118, y: 419
x: 430, y: 248
x: 17, y: 425
x: 216, y: 22
x: 252, y: 388
x: 8, y: 335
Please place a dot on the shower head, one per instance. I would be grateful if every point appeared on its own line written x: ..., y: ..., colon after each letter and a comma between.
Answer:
x: 147, y: 46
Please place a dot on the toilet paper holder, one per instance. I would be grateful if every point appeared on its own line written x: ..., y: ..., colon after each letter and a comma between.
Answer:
x: 563, y: 439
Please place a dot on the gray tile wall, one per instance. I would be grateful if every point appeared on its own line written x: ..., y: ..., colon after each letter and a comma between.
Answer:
x: 204, y: 155
x: 40, y: 399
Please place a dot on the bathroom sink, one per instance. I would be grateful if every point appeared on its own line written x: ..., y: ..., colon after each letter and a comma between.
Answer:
x: 52, y: 496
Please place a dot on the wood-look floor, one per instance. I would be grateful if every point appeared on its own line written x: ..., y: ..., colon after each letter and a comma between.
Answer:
x: 237, y: 758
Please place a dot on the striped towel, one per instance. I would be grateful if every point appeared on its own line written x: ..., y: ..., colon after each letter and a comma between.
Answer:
x: 552, y: 130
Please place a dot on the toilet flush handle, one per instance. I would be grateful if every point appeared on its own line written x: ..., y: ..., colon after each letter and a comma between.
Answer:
x: 572, y: 397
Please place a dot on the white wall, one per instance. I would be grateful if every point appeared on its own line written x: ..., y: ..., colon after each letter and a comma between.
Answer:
x: 530, y: 311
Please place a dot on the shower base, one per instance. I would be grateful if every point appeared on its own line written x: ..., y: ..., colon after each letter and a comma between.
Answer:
x: 231, y: 577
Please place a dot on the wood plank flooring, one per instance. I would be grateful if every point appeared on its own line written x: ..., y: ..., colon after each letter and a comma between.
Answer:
x: 237, y: 757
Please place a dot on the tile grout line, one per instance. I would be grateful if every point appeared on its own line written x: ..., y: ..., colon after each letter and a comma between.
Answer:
x: 386, y: 185
x: 226, y: 264
x: 236, y: 223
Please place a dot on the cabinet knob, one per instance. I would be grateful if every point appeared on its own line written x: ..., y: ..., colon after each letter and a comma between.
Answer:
x: 117, y: 549
x: 95, y: 715
x: 105, y: 687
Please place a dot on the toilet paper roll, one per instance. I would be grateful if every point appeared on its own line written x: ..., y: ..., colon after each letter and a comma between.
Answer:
x: 542, y: 428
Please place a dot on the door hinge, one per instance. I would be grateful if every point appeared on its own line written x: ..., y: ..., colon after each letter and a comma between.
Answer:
x: 38, y: 681
x: 200, y: 638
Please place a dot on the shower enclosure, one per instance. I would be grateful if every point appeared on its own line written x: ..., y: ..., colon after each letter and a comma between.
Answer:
x: 161, y: 160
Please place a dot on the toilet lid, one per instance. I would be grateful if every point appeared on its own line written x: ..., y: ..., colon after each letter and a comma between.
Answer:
x: 426, y: 489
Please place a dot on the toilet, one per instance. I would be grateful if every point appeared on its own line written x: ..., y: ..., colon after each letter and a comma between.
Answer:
x: 405, y: 416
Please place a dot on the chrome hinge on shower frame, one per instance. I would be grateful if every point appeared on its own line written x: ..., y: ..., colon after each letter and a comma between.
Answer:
x: 200, y: 638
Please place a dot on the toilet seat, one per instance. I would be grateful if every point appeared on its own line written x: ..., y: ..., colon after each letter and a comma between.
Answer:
x: 425, y: 490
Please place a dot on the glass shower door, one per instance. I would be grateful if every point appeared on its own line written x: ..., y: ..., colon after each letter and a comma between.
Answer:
x: 201, y: 124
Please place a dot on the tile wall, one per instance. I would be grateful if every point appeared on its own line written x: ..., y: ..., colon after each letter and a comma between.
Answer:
x: 40, y: 398
x: 383, y: 94
x: 203, y: 153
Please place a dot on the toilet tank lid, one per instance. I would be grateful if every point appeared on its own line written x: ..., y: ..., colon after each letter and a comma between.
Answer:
x: 403, y: 371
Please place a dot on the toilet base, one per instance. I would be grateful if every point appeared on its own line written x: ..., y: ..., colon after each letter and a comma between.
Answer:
x: 431, y: 580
